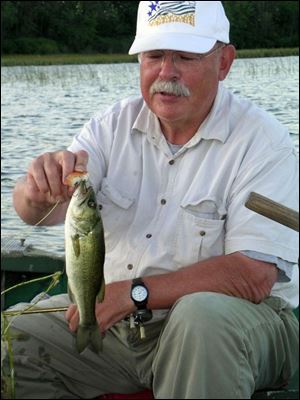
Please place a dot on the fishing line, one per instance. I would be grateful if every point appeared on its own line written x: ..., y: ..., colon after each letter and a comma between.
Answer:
x: 13, y: 243
x: 47, y: 215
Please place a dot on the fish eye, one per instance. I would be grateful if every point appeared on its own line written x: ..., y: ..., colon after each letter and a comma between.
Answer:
x: 91, y: 204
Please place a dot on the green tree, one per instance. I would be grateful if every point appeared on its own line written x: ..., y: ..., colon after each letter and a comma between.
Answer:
x: 259, y: 24
x: 109, y: 26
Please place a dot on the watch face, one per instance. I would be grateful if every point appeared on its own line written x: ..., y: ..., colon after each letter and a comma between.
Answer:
x: 139, y: 293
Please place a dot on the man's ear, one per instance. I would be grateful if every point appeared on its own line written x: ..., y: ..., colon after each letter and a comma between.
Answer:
x: 227, y: 57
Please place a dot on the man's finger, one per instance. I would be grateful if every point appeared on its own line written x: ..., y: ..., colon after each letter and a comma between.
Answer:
x: 70, y: 311
x: 72, y: 316
x: 81, y: 161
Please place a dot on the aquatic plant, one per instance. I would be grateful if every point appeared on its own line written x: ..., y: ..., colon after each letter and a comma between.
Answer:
x: 7, y: 317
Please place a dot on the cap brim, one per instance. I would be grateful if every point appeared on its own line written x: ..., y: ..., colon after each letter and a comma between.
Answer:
x: 172, y: 41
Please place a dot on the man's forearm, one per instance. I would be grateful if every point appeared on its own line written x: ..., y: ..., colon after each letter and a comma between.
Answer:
x: 235, y: 275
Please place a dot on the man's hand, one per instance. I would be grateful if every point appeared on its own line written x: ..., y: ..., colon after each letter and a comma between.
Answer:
x: 43, y: 185
x: 116, y: 305
x: 46, y: 174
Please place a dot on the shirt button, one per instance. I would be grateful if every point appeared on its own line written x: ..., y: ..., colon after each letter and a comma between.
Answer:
x: 202, y: 233
x: 148, y: 236
x: 163, y: 201
x: 171, y: 162
x: 129, y: 266
x: 100, y: 207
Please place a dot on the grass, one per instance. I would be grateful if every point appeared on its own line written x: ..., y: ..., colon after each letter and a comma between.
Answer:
x: 258, y: 53
x: 61, y: 59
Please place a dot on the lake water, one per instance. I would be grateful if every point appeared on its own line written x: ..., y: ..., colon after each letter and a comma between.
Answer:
x: 44, y: 107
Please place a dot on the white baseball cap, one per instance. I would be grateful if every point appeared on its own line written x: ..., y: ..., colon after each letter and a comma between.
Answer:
x: 192, y: 26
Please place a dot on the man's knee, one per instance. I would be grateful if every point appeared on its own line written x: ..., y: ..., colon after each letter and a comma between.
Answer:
x: 205, y: 313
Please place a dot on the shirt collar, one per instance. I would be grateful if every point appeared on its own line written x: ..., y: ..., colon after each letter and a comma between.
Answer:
x: 215, y: 126
x: 147, y: 123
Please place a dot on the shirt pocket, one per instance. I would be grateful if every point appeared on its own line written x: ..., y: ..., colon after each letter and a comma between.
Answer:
x: 116, y: 212
x: 199, y: 233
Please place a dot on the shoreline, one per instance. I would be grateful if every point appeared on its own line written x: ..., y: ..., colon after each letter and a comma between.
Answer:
x: 10, y: 60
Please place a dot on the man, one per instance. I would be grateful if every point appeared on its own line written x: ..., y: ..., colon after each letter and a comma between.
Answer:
x: 172, y: 171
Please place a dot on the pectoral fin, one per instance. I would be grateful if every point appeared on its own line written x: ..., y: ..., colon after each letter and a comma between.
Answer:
x: 76, y: 244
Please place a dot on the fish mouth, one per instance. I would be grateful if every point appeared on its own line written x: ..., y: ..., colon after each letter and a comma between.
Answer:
x: 82, y: 191
x: 83, y: 187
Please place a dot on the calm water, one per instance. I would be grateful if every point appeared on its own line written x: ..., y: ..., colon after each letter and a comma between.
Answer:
x: 44, y: 107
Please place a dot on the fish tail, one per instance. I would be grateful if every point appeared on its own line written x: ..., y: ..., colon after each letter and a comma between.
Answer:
x: 96, y: 339
x: 89, y: 335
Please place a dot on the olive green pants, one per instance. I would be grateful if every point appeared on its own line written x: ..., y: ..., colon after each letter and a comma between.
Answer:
x: 211, y: 346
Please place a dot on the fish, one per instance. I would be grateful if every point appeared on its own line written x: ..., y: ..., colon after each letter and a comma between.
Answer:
x: 84, y: 257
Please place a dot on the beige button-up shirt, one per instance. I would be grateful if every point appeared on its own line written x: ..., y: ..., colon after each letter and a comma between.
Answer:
x: 163, y: 211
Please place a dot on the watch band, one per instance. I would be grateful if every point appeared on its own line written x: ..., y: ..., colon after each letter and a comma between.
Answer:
x: 138, y: 281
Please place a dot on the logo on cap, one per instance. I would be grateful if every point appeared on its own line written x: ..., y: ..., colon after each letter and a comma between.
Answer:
x: 163, y: 12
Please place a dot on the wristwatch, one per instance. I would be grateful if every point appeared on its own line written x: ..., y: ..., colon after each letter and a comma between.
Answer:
x: 139, y: 293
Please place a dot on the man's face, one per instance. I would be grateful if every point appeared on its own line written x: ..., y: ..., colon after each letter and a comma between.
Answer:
x: 199, y: 75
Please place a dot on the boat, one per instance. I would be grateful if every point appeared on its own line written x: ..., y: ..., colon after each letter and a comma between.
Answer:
x: 22, y: 263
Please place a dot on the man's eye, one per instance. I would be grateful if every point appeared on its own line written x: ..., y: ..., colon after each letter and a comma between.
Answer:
x: 187, y: 58
x: 154, y: 56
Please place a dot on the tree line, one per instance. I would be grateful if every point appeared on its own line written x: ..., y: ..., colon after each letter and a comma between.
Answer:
x: 50, y: 27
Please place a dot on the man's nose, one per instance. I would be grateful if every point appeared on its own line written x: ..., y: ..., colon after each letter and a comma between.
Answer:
x: 168, y: 68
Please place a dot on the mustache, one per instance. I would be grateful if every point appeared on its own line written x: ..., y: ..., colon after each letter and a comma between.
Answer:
x: 170, y: 87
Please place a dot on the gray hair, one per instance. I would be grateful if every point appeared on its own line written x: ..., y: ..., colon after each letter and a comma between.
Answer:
x: 170, y: 87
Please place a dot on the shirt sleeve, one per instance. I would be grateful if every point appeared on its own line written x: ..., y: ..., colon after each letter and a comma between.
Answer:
x: 285, y: 267
x: 269, y: 168
x: 95, y: 139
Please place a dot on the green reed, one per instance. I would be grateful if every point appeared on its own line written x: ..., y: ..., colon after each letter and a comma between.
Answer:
x: 62, y: 59
x: 8, y: 379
